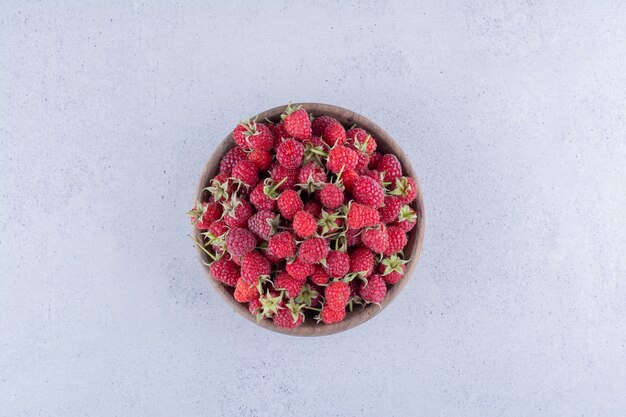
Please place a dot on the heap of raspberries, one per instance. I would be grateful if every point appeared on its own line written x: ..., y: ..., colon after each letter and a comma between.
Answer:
x: 306, y: 219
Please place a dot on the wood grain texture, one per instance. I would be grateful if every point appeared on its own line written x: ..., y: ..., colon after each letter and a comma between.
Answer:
x: 386, y: 144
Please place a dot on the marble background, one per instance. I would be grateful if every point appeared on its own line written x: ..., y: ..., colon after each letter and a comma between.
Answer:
x: 513, y: 113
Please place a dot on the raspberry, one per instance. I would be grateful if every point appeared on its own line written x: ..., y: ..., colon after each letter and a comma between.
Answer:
x: 245, y: 292
x: 319, y: 275
x: 337, y: 294
x: 299, y: 270
x: 290, y: 284
x: 204, y: 214
x: 220, y: 188
x: 362, y: 216
x: 304, y: 224
x: 246, y: 173
x: 313, y: 250
x: 405, y: 189
x: 225, y: 271
x: 331, y: 196
x: 375, y: 289
x: 320, y: 123
x: 348, y: 178
x: 361, y: 260
x: 262, y: 159
x: 263, y: 224
x: 290, y: 154
x: 407, y: 219
x: 374, y: 160
x: 390, y: 210
x: 391, y: 167
x: 334, y: 133
x: 397, y: 240
x: 237, y: 212
x: 353, y: 237
x: 282, y: 245
x: 289, y: 203
x: 260, y: 199
x: 252, y: 135
x: 297, y: 122
x: 330, y: 316
x: 279, y: 172
x: 376, y: 238
x: 231, y: 159
x: 313, y: 208
x: 363, y: 161
x: 254, y: 306
x: 361, y: 140
x: 341, y: 157
x: 280, y: 133
x: 310, y: 176
x: 240, y: 241
x: 288, y: 317
x: 392, y: 269
x: 369, y: 192
x: 337, y: 263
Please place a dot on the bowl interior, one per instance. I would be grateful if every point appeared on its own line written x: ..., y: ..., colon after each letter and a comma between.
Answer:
x: 385, y: 144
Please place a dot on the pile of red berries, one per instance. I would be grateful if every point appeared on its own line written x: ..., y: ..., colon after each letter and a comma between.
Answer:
x: 306, y: 219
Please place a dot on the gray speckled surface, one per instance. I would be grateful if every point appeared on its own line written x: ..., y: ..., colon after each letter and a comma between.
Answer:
x: 513, y: 113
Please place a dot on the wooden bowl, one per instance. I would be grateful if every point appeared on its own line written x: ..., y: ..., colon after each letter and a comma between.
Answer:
x: 415, y: 237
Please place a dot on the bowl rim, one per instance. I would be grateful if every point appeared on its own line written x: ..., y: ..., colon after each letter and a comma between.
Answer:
x: 416, y: 236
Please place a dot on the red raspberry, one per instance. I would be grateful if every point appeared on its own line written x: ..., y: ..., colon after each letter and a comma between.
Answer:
x: 218, y: 228
x: 373, y: 174
x: 252, y: 135
x: 374, y: 160
x: 270, y: 125
x: 299, y: 270
x: 310, y: 176
x: 337, y: 263
x: 320, y: 123
x: 337, y: 294
x: 282, y: 245
x: 246, y: 172
x: 349, y: 177
x: 280, y: 134
x: 361, y: 260
x: 319, y: 275
x: 297, y: 122
x: 392, y: 276
x: 341, y: 157
x: 313, y: 250
x: 253, y: 265
x: 369, y: 192
x: 364, y: 160
x: 240, y: 241
x: 376, y: 238
x: 225, y: 271
x: 285, y: 318
x: 263, y: 224
x: 313, y: 208
x: 245, y: 292
x: 231, y: 159
x: 237, y: 212
x: 361, y: 140
x: 304, y: 224
x: 221, y: 188
x: 362, y: 216
x: 375, y: 290
x: 397, y: 240
x: 391, y: 167
x: 270, y: 257
x: 353, y: 237
x: 330, y: 316
x: 292, y: 285
x: 260, y: 199
x: 334, y: 133
x: 262, y: 159
x: 290, y: 153
x: 331, y: 196
x: 405, y: 189
x: 279, y: 172
x: 204, y: 214
x: 407, y: 219
x: 390, y: 210
x: 289, y: 203
x: 254, y: 306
